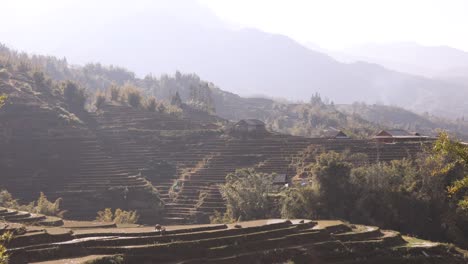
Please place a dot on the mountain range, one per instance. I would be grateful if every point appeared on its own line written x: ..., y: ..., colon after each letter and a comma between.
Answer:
x: 160, y: 39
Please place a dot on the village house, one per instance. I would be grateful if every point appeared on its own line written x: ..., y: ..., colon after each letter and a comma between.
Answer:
x: 333, y: 133
x: 249, y: 127
x: 397, y: 135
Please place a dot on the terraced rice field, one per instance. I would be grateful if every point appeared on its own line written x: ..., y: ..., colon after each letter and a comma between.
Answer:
x: 262, y: 241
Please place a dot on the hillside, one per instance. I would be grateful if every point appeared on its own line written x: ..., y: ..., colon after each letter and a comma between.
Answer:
x: 396, y: 117
x: 164, y: 39
x: 301, y: 119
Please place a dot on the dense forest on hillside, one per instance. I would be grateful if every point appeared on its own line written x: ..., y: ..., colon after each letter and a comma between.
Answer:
x: 311, y: 119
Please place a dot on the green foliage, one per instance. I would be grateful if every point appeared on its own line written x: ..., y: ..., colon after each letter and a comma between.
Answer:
x: 331, y: 172
x: 41, y: 206
x: 39, y: 78
x: 4, y: 239
x: 455, y: 155
x: 46, y: 207
x: 248, y: 194
x: 176, y: 100
x: 133, y: 96
x: 119, y: 216
x: 220, y: 218
x: 3, y: 98
x: 100, y: 100
x: 301, y: 202
x: 424, y: 196
x: 74, y: 96
x: 105, y: 216
x: 151, y: 104
x: 114, y: 93
x: 7, y: 200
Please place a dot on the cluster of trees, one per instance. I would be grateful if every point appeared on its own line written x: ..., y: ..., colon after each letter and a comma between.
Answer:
x: 427, y: 196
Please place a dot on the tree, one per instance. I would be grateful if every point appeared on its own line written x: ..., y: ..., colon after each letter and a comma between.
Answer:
x: 248, y: 194
x: 176, y: 100
x: 332, y: 171
x: 100, y: 100
x: 74, y: 96
x: 301, y: 202
x: 456, y: 156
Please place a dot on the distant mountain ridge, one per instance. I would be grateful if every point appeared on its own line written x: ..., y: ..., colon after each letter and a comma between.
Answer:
x: 247, y: 61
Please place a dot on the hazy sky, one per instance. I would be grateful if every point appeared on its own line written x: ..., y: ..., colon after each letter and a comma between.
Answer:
x: 328, y: 23
x: 340, y: 23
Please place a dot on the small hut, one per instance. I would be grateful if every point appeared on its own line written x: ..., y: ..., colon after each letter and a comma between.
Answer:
x: 333, y: 133
x: 249, y: 127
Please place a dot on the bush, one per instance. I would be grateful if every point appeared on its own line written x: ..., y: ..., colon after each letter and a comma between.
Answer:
x: 161, y: 108
x: 151, y: 104
x: 105, y: 216
x: 125, y: 217
x: 301, y: 202
x: 119, y: 217
x: 39, y: 78
x: 4, y: 239
x: 74, y: 96
x: 46, y: 207
x: 114, y: 93
x: 220, y: 218
x: 7, y: 200
x: 133, y: 96
x: 100, y: 100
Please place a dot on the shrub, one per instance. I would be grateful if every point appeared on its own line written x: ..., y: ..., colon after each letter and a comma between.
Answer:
x: 119, y: 217
x: 220, y: 218
x: 105, y: 216
x: 46, y: 207
x: 7, y: 200
x: 151, y: 104
x: 133, y: 96
x: 125, y: 217
x: 39, y: 78
x: 100, y: 100
x: 74, y: 96
x: 114, y: 93
x: 4, y: 239
x: 301, y: 202
x: 161, y: 108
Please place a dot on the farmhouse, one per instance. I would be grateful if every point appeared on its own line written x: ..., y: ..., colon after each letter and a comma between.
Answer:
x: 249, y: 127
x: 397, y: 135
x: 333, y: 133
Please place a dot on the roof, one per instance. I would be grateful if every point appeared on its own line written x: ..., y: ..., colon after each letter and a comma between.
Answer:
x: 251, y: 122
x: 280, y: 178
x: 334, y: 133
x: 396, y: 133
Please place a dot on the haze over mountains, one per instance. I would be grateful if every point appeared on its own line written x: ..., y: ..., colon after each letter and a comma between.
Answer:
x: 162, y: 38
x: 429, y: 61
